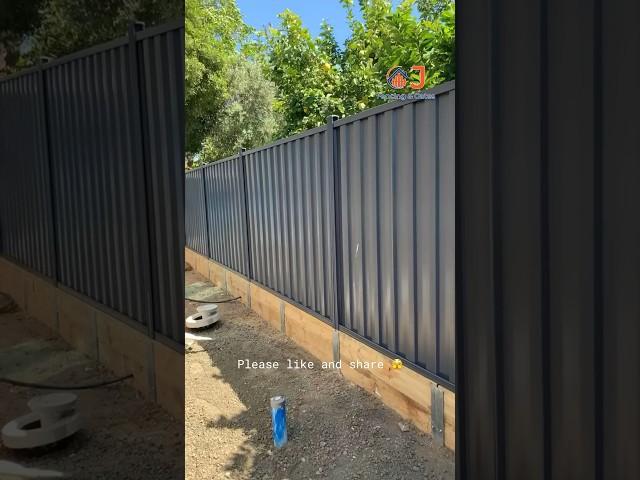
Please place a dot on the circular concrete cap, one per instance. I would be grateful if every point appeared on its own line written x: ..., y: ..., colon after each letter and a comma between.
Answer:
x: 53, y: 403
x: 52, y: 407
x: 29, y: 432
x: 208, y: 309
x: 200, y: 321
x: 277, y: 401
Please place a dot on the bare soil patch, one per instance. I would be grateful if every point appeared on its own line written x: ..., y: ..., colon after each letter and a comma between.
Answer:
x: 124, y: 436
x: 336, y: 429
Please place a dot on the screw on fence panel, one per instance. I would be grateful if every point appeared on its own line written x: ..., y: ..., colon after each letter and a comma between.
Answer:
x: 137, y: 101
x: 336, y: 273
x: 246, y: 211
x: 49, y: 160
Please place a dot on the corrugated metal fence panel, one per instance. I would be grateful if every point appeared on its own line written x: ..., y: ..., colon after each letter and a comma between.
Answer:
x: 99, y: 192
x: 113, y: 117
x: 195, y: 212
x: 396, y: 214
x: 291, y: 221
x: 161, y: 60
x: 549, y: 235
x: 224, y: 190
x: 398, y: 234
x: 26, y: 222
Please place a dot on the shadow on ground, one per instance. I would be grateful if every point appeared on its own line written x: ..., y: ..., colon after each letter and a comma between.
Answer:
x: 336, y: 430
x: 124, y: 436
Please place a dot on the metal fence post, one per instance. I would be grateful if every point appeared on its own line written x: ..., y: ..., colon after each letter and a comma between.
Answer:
x: 206, y: 213
x: 47, y: 150
x: 336, y: 273
x: 136, y: 102
x: 245, y: 196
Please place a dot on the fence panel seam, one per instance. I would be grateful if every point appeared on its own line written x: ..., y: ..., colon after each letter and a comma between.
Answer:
x: 137, y: 90
x: 49, y: 161
x: 206, y: 217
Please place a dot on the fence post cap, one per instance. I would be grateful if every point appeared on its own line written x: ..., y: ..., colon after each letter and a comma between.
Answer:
x: 332, y: 118
x: 134, y: 27
x: 137, y: 25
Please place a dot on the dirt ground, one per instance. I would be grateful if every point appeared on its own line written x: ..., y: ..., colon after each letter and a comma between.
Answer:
x: 124, y: 436
x: 336, y: 430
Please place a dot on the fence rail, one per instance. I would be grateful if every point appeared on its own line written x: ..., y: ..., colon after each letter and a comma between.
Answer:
x: 353, y: 220
x: 91, y: 185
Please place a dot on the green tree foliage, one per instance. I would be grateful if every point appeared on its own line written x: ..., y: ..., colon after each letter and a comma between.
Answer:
x: 247, y: 118
x: 212, y: 31
x: 431, y: 9
x: 70, y: 25
x: 308, y: 82
x: 441, y: 47
x: 327, y: 44
x: 34, y: 28
x: 388, y: 37
x: 228, y: 102
x: 17, y: 22
x: 315, y: 78
x: 245, y: 88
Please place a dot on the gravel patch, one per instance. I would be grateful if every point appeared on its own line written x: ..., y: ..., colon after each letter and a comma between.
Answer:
x: 124, y: 436
x: 336, y: 430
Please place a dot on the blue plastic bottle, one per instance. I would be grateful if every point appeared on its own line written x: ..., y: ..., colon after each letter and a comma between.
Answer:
x: 279, y: 420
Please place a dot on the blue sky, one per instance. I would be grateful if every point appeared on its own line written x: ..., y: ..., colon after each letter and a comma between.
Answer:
x: 259, y: 13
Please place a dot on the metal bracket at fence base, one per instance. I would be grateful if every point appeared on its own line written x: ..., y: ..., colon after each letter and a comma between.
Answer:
x: 151, y: 373
x: 437, y: 414
x: 336, y: 346
x: 282, y: 319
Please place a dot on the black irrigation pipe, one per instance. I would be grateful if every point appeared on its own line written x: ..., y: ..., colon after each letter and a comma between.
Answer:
x: 18, y: 383
x: 213, y: 301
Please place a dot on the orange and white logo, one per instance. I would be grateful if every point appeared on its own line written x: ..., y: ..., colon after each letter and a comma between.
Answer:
x: 397, y: 77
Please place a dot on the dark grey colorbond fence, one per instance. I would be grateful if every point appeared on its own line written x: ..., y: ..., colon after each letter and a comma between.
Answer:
x: 548, y: 174
x: 353, y: 220
x: 290, y: 195
x: 196, y: 220
x: 397, y: 210
x: 224, y: 191
x: 91, y: 179
x: 26, y: 222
